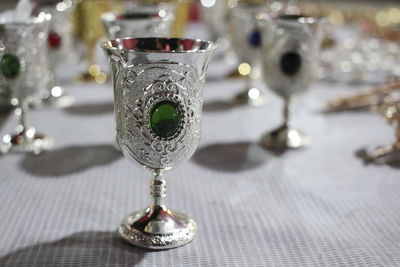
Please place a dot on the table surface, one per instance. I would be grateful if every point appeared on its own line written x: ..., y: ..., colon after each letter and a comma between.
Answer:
x: 320, y: 206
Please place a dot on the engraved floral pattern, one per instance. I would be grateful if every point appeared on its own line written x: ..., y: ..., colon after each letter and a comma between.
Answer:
x: 157, y: 241
x: 137, y: 89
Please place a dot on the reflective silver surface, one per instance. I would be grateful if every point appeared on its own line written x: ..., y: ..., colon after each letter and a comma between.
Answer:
x: 158, y: 88
x: 22, y: 77
x: 151, y: 21
x: 60, y: 46
x: 246, y: 39
x: 290, y: 57
x: 215, y: 17
x: 299, y: 36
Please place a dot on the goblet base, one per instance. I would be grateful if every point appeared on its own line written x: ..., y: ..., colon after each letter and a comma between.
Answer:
x: 252, y: 97
x: 157, y: 228
x: 285, y: 138
x: 27, y: 141
x: 58, y: 99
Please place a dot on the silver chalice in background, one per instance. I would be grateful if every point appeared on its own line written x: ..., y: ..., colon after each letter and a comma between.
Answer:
x: 22, y: 69
x: 290, y: 54
x: 158, y: 87
x: 143, y: 21
x: 246, y: 37
x: 60, y: 50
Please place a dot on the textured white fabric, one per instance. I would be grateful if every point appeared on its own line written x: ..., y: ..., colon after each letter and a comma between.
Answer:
x: 316, y: 207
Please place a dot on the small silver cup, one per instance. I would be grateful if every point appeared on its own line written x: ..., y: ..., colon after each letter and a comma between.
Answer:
x: 22, y: 69
x: 158, y: 88
x: 60, y: 50
x: 245, y: 31
x: 290, y: 54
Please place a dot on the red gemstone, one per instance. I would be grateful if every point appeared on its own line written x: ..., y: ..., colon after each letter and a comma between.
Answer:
x: 54, y: 40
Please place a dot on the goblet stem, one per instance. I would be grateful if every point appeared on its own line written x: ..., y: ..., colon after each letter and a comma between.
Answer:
x: 157, y: 227
x: 52, y: 79
x: 158, y: 189
x: 22, y: 115
x: 286, y: 111
x: 285, y: 137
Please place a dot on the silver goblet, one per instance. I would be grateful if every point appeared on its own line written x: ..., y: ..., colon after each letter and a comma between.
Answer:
x: 147, y: 21
x: 60, y: 49
x: 22, y: 69
x: 158, y: 86
x: 290, y: 54
x: 246, y: 37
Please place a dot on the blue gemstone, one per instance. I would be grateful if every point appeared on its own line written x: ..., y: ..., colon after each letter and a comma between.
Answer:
x: 255, y: 38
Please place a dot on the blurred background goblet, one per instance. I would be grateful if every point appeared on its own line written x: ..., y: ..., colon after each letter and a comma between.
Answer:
x: 142, y: 21
x: 89, y: 29
x: 245, y: 31
x: 60, y: 50
x: 290, y: 57
x: 22, y: 69
x: 215, y: 15
x: 158, y: 87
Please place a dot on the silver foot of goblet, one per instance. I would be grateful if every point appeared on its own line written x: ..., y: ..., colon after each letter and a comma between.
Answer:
x: 286, y: 138
x: 157, y: 228
x: 26, y: 141
x: 251, y: 96
x: 56, y: 98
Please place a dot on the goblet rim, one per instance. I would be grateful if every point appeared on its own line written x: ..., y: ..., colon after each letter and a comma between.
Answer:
x: 110, y: 45
x: 33, y: 20
x: 298, y: 18
x: 244, y: 5
x: 115, y: 16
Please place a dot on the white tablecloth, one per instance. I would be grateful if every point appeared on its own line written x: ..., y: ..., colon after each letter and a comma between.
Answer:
x: 316, y: 207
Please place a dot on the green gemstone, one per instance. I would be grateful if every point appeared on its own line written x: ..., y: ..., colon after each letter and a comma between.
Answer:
x: 165, y: 118
x: 10, y: 66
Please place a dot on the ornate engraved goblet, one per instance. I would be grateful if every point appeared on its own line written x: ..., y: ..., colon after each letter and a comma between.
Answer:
x: 22, y: 69
x: 146, y: 21
x: 60, y: 49
x: 290, y: 55
x: 245, y: 31
x: 158, y: 85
